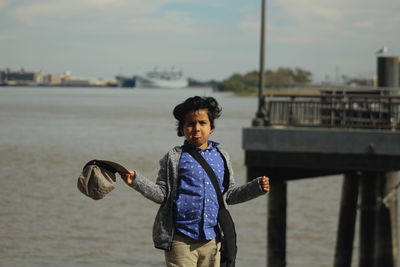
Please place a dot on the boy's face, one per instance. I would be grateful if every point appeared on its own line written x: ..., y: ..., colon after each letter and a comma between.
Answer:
x: 197, y: 128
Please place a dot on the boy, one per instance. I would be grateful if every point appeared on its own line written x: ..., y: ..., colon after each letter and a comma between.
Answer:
x: 186, y: 222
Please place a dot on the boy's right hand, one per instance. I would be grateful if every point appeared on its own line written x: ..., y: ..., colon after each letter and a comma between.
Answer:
x: 264, y: 182
x: 128, y: 177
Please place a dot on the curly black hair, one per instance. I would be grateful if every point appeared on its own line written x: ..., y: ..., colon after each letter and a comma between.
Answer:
x: 195, y: 103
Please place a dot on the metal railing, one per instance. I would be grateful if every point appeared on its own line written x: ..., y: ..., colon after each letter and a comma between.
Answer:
x: 365, y: 111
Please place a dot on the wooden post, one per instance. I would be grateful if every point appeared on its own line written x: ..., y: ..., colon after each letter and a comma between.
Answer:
x: 368, y: 214
x: 277, y: 224
x: 347, y: 220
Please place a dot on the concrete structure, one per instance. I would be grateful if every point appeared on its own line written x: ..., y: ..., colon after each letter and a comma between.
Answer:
x: 2, y: 77
x: 55, y: 79
x: 304, y: 152
x: 367, y: 158
x: 21, y: 77
x: 84, y: 82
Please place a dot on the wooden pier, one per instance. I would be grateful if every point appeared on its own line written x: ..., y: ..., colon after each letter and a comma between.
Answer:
x: 356, y: 134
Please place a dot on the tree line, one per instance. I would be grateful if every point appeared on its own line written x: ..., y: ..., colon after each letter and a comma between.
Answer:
x: 249, y: 82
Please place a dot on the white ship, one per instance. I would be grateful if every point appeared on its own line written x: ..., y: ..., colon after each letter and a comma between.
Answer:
x: 162, y: 79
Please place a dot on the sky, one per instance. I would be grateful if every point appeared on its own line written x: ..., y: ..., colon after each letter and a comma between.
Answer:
x: 206, y: 39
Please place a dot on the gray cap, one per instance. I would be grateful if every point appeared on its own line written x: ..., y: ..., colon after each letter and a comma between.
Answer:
x: 98, y: 178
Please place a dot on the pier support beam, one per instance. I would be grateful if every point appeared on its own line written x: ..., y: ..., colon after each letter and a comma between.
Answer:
x: 368, y: 214
x: 386, y: 225
x: 347, y: 220
x: 391, y: 202
x: 277, y: 204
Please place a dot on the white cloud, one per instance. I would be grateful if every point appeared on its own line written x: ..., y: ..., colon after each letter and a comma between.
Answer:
x: 3, y: 3
x: 33, y: 12
x: 366, y: 24
x: 319, y: 21
x: 328, y: 14
x: 343, y: 11
x: 297, y: 22
x: 103, y: 3
x: 29, y: 14
x: 307, y: 11
x: 129, y: 16
x: 171, y: 22
x: 6, y: 36
x: 250, y: 24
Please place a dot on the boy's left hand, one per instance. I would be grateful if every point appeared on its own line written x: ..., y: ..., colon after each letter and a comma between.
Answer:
x: 264, y: 183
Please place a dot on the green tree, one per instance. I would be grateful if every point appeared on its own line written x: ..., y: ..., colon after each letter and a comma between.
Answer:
x: 236, y: 83
x: 302, y: 76
x: 248, y: 82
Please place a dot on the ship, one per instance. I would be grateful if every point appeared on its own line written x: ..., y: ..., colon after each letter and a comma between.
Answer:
x: 173, y: 78
x: 123, y: 81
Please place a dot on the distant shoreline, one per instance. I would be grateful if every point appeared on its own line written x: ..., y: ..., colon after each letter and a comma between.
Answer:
x: 95, y: 86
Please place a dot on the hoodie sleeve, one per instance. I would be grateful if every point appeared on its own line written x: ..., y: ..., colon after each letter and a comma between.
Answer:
x: 155, y: 191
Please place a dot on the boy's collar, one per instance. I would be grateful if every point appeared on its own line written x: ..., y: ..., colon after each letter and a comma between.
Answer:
x: 211, y: 144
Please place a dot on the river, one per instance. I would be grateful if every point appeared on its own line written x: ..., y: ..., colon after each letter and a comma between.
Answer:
x: 48, y: 134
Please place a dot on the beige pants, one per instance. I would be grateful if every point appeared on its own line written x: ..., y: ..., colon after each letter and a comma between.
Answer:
x: 188, y: 252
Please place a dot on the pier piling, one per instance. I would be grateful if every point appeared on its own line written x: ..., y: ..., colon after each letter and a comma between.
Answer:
x: 368, y: 213
x: 276, y: 225
x: 347, y: 220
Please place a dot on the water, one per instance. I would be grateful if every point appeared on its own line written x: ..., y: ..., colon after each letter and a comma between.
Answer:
x: 48, y: 134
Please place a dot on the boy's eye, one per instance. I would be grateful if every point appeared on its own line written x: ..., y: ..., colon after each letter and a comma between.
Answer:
x: 193, y: 123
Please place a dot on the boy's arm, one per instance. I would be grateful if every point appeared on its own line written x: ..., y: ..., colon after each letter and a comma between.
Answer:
x: 154, y: 191
x: 238, y: 194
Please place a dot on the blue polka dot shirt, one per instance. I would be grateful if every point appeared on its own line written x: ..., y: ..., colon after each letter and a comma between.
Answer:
x: 196, y: 204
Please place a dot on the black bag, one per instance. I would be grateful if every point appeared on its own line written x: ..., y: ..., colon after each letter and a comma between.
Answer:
x: 225, y: 222
x: 228, y: 238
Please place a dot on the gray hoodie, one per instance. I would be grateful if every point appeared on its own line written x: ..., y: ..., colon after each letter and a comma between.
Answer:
x: 163, y: 192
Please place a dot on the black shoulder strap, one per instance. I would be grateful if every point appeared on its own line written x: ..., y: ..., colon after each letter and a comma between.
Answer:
x: 210, y: 172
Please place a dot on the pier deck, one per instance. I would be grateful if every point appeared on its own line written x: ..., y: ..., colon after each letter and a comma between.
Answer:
x: 306, y: 152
